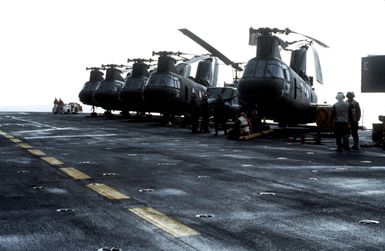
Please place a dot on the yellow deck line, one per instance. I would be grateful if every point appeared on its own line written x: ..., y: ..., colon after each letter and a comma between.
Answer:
x: 24, y: 145
x: 107, y: 191
x: 15, y: 140
x: 74, y: 173
x: 52, y: 161
x: 255, y: 135
x: 8, y: 136
x: 36, y: 152
x: 164, y: 222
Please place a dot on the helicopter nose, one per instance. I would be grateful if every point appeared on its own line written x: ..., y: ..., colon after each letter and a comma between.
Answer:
x: 128, y: 96
x: 158, y: 98
x: 260, y: 89
x: 107, y: 99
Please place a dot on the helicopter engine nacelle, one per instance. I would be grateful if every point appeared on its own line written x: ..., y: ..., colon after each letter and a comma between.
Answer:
x: 96, y: 75
x: 207, y: 72
x: 140, y: 69
x: 114, y: 74
x: 184, y: 69
x: 166, y: 64
x: 267, y: 47
x: 298, y: 60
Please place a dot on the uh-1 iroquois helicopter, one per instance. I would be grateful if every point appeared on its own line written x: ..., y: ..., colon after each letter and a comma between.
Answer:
x: 277, y: 91
x: 169, y: 89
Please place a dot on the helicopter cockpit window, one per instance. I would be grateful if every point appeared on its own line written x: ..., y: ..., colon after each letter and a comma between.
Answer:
x: 107, y: 86
x: 152, y: 81
x: 255, y: 69
x: 274, y: 70
x: 260, y: 70
x: 93, y: 87
x: 134, y: 83
x: 169, y: 81
x: 250, y: 69
x: 176, y: 82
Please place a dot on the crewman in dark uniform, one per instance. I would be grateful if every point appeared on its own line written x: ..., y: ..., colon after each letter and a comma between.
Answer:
x: 356, y: 116
x: 204, y: 109
x: 55, y: 106
x: 194, y: 112
x: 219, y: 114
x: 60, y: 106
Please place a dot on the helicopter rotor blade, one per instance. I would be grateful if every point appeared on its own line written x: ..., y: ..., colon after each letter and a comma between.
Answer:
x: 210, y: 48
x: 287, y: 31
x: 317, y: 64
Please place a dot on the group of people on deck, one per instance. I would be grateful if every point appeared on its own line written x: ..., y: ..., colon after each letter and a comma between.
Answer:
x: 244, y: 125
x: 58, y: 106
x: 344, y: 117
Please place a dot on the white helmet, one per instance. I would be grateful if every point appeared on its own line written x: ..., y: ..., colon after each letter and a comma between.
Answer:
x: 340, y: 96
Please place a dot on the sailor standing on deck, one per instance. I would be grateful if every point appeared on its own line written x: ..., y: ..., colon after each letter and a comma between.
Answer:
x: 194, y: 113
x: 55, y: 105
x: 356, y: 116
x: 341, y: 115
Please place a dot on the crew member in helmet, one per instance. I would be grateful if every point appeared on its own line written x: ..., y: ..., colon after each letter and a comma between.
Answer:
x: 244, y: 124
x: 356, y: 116
x: 340, y: 116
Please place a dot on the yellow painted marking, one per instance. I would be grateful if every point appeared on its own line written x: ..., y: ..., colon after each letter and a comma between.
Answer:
x: 36, y: 152
x: 24, y: 145
x: 255, y: 135
x: 8, y: 136
x: 15, y: 140
x: 52, y: 161
x: 164, y: 222
x: 107, y: 191
x: 74, y: 173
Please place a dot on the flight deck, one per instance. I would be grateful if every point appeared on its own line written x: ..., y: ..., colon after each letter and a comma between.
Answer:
x: 75, y: 182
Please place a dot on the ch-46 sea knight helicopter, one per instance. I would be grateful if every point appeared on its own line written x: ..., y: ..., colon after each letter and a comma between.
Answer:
x: 131, y: 93
x: 228, y: 93
x: 278, y: 91
x: 85, y: 95
x: 169, y: 88
x: 106, y: 94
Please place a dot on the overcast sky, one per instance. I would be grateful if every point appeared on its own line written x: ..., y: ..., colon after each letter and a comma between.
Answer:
x: 45, y: 45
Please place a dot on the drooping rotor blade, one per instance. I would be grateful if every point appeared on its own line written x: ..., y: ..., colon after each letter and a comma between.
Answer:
x: 211, y: 49
x: 317, y: 64
x: 287, y: 31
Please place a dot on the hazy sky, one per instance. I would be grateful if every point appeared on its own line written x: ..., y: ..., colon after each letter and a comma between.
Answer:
x: 45, y: 45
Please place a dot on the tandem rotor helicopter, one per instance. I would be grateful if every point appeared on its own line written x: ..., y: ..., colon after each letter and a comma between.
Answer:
x: 167, y: 90
x: 170, y: 87
x: 280, y: 92
x: 86, y: 93
x: 130, y: 95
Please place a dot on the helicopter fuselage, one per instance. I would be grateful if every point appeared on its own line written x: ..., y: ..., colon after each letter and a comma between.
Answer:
x: 170, y: 93
x: 130, y: 95
x: 107, y: 95
x: 277, y: 92
x: 85, y: 95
